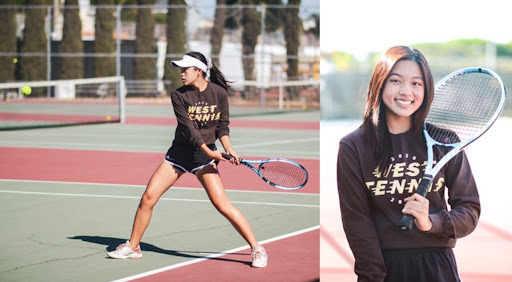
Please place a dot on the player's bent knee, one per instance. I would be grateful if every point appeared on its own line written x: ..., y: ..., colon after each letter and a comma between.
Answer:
x: 148, y: 201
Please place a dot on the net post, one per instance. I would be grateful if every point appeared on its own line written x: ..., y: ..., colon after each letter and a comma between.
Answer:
x: 122, y: 100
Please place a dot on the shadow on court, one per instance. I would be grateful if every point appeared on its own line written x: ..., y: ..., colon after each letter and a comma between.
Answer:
x: 112, y: 243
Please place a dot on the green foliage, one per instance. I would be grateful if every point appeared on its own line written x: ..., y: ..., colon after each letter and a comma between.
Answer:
x: 274, y: 16
x: 104, y: 40
x: 29, y: 2
x: 34, y: 41
x: 160, y: 18
x: 292, y: 32
x: 217, y: 32
x: 145, y: 43
x: 504, y: 49
x: 250, y: 33
x: 7, y: 42
x: 71, y: 67
x: 233, y: 21
x: 176, y: 40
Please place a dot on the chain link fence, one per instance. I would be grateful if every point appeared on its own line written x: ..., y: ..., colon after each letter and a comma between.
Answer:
x: 269, y: 56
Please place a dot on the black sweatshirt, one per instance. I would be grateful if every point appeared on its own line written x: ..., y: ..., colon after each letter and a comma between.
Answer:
x: 371, y: 203
x: 203, y: 117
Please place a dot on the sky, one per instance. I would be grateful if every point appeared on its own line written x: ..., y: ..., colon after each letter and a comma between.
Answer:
x: 362, y: 26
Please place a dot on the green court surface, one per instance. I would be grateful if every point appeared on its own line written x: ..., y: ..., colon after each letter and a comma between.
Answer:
x: 61, y: 231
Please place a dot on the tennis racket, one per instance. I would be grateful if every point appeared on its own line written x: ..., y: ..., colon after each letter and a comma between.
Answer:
x: 466, y: 103
x: 281, y: 173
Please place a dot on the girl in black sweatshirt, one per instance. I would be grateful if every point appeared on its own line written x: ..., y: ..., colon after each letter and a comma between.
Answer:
x: 202, y: 110
x: 379, y: 168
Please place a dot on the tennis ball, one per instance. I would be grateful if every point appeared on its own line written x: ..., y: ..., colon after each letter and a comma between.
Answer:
x: 26, y: 90
x: 15, y: 60
x: 108, y: 117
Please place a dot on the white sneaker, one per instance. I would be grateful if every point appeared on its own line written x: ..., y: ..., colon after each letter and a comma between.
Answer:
x: 259, y: 257
x: 124, y: 251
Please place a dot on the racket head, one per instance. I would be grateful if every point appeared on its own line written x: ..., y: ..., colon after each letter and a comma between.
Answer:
x: 466, y: 103
x: 283, y: 173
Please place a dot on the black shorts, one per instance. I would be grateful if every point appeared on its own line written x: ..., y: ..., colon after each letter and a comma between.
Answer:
x: 188, y: 158
x: 422, y: 264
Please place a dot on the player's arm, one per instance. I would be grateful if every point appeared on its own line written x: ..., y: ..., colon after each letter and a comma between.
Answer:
x: 225, y: 140
x: 223, y: 123
x: 356, y: 217
x: 216, y: 155
x: 222, y: 129
x: 463, y: 199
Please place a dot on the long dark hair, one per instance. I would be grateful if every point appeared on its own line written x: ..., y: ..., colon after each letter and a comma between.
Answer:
x: 215, y: 75
x: 374, y: 120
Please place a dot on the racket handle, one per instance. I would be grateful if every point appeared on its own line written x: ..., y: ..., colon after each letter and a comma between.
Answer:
x: 226, y: 156
x: 405, y: 223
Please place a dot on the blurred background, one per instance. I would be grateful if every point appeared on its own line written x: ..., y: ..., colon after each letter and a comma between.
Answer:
x: 451, y: 34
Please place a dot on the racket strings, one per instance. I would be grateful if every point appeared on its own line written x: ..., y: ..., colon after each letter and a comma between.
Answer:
x: 463, y: 107
x: 284, y: 173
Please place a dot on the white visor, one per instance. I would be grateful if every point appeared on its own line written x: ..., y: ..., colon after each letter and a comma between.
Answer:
x: 189, y: 61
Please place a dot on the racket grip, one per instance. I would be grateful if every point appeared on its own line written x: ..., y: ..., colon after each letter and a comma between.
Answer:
x: 405, y: 223
x: 226, y: 156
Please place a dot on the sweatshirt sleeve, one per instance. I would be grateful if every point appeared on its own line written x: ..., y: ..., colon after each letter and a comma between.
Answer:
x: 355, y: 206
x: 223, y: 124
x: 186, y: 126
x: 463, y: 198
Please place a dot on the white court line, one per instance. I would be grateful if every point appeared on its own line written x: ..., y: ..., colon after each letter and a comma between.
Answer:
x: 144, y: 186
x: 163, y: 199
x: 215, y: 255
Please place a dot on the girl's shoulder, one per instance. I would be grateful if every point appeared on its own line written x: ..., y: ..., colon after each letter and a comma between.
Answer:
x: 183, y: 89
x: 355, y: 137
x: 217, y: 88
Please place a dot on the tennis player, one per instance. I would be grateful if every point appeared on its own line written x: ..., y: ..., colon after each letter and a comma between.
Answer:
x: 202, y: 110
x: 379, y: 167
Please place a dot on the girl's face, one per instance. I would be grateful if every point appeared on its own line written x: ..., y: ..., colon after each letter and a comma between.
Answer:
x: 189, y: 75
x: 403, y: 94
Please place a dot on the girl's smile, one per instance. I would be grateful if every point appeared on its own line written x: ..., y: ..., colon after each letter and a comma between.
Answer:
x: 403, y: 94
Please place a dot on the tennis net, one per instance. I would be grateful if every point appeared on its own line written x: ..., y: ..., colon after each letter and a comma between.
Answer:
x: 62, y: 102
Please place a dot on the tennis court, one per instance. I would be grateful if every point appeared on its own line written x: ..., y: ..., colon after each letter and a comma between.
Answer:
x: 69, y: 194
x: 484, y: 255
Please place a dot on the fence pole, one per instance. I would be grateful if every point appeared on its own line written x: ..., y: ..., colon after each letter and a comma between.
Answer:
x: 262, y: 44
x: 118, y: 40
x: 49, y: 49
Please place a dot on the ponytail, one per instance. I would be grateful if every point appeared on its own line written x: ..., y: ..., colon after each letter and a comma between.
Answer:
x: 216, y: 75
x: 218, y: 78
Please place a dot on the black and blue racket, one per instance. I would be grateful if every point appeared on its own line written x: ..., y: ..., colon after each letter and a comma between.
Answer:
x: 466, y: 104
x: 280, y: 173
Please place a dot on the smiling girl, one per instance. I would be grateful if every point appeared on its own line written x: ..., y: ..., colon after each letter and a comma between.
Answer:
x: 379, y: 167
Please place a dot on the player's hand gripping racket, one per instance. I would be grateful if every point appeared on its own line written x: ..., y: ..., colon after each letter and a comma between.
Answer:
x: 281, y: 173
x: 466, y: 103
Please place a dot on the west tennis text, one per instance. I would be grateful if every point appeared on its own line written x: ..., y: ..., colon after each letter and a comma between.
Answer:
x: 400, y: 178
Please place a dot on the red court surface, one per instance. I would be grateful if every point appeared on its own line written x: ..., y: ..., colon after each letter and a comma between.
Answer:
x: 294, y: 258
x: 122, y: 168
x: 157, y: 121
x: 287, y: 262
